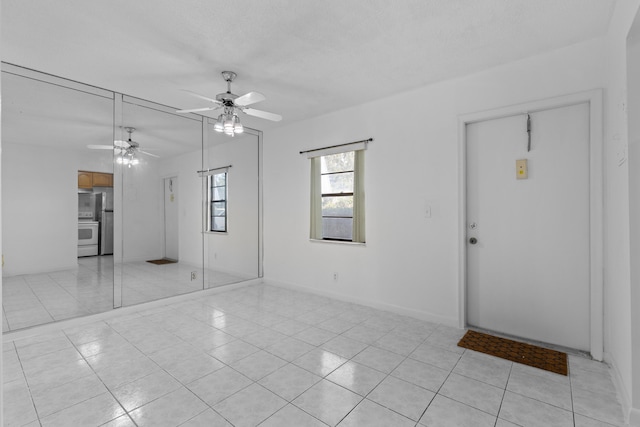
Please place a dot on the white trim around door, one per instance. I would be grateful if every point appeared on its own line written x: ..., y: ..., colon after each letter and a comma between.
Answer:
x: 596, y: 177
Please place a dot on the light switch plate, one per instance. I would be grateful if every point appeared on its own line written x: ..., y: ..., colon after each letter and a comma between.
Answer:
x: 521, y: 169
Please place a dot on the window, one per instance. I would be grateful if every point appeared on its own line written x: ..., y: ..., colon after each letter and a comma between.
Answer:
x: 336, y: 178
x: 217, y: 202
x: 337, y: 197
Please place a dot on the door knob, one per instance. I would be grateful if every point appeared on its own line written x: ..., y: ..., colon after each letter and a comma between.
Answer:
x: 473, y: 240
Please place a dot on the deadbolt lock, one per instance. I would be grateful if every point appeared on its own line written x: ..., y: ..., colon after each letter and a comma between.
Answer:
x: 473, y: 240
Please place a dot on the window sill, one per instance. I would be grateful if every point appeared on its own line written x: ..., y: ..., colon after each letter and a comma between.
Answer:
x: 338, y: 242
x: 216, y: 233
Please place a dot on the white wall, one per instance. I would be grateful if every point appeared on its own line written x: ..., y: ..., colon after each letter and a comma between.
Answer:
x: 40, y: 206
x: 236, y: 251
x: 1, y: 252
x: 633, y: 102
x: 617, y: 308
x: 40, y: 227
x: 409, y: 263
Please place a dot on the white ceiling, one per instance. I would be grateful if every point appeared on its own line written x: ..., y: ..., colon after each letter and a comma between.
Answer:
x: 307, y: 57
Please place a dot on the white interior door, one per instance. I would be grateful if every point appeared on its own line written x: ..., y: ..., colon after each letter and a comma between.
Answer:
x: 171, y: 229
x: 528, y: 274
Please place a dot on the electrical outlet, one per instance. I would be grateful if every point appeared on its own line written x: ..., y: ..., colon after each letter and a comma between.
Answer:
x: 194, y: 275
x: 521, y: 169
x: 335, y: 277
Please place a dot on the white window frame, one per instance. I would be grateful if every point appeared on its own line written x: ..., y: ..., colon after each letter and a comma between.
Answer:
x: 358, y: 230
x: 209, y: 174
x: 211, y: 201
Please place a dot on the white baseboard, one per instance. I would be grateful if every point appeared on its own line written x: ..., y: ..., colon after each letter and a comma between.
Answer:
x: 634, y: 417
x: 122, y: 311
x: 625, y: 399
x: 243, y: 274
x: 418, y: 314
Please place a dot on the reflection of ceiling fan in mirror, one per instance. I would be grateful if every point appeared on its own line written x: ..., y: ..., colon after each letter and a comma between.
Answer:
x: 125, y: 150
x: 229, y: 122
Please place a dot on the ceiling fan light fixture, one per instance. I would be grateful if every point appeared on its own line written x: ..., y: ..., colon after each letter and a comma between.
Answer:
x: 130, y: 159
x: 219, y: 127
x: 237, y: 127
x: 229, y: 124
x: 124, y: 151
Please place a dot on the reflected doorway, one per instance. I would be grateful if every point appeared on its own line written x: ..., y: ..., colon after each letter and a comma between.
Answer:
x: 171, y: 221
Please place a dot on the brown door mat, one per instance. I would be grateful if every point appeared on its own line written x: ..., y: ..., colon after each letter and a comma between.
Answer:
x: 162, y: 261
x: 527, y: 354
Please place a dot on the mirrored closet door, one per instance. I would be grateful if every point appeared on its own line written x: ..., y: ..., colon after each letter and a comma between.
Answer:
x: 159, y: 192
x: 111, y: 201
x: 53, y: 267
x: 232, y: 179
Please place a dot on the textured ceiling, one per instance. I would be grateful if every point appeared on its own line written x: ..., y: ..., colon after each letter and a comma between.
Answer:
x: 307, y: 57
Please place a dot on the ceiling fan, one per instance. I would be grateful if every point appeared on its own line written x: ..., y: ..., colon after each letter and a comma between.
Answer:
x: 229, y: 122
x: 126, y: 150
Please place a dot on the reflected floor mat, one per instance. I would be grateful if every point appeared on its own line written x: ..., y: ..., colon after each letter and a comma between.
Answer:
x: 527, y: 354
x: 162, y: 261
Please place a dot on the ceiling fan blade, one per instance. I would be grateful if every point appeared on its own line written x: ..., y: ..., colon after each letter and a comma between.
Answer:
x: 249, y: 98
x: 148, y: 154
x: 119, y: 143
x: 195, y: 110
x: 263, y: 114
x: 100, y: 147
x: 197, y: 95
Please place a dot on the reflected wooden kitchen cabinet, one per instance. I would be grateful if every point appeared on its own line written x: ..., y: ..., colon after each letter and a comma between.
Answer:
x: 85, y: 179
x: 94, y: 179
x: 102, y: 179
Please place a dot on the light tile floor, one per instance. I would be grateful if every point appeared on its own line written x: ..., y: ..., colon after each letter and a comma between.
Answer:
x: 35, y: 299
x: 268, y: 356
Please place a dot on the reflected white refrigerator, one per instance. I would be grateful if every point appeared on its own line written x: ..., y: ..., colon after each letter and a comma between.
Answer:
x: 104, y: 214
